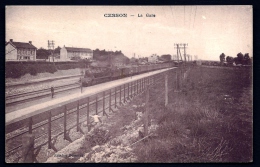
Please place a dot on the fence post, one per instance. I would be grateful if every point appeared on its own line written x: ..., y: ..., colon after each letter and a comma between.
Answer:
x: 142, y: 84
x: 176, y: 81
x: 115, y: 97
x: 28, y: 144
x: 146, y: 112
x: 28, y: 148
x: 132, y: 89
x: 96, y: 105
x: 78, y: 116
x: 137, y: 86
x: 200, y: 72
x: 120, y: 95
x: 146, y: 82
x: 128, y: 90
x: 49, y: 130
x: 103, y: 103
x: 30, y: 125
x: 109, y: 100
x: 124, y: 93
x: 166, y: 90
x: 65, y: 121
x: 88, y: 123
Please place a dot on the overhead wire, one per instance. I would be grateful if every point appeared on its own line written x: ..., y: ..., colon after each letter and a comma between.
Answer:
x: 184, y: 16
x: 190, y: 16
x: 172, y: 13
x: 194, y: 16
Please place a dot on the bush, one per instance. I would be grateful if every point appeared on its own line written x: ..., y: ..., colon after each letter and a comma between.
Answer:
x: 99, y: 137
x: 51, y: 69
x: 33, y: 70
x: 15, y: 72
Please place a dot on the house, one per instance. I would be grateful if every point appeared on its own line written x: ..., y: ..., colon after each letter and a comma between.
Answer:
x: 153, y: 58
x: 161, y: 60
x: 68, y: 53
x: 143, y: 60
x: 119, y: 60
x: 15, y: 51
x: 133, y: 60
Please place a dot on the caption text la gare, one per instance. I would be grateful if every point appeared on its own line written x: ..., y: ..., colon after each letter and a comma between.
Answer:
x: 125, y: 15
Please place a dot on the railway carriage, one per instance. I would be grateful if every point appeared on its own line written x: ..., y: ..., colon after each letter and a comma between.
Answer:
x: 99, y: 76
x: 125, y: 72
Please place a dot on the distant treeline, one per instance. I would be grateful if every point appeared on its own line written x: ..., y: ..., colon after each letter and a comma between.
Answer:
x: 103, y: 55
x: 240, y: 59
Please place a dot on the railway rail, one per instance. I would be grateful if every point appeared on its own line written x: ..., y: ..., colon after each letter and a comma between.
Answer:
x: 59, y: 121
x: 73, y: 115
x: 27, y: 96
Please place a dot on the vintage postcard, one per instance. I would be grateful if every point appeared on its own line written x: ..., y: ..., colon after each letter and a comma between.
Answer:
x: 129, y: 84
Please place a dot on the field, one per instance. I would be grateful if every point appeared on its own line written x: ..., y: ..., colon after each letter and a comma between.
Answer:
x: 210, y: 120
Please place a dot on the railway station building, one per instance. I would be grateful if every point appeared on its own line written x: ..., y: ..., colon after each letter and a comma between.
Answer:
x: 68, y: 53
x: 20, y: 51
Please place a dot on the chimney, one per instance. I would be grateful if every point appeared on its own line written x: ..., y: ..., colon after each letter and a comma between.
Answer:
x: 30, y: 42
x: 11, y: 40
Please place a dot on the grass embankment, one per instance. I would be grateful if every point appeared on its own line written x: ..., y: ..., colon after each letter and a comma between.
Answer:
x: 209, y: 121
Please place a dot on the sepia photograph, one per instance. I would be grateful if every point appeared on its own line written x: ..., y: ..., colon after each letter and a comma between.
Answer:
x: 129, y: 84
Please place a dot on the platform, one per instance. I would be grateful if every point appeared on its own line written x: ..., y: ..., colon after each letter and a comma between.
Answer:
x: 45, y: 106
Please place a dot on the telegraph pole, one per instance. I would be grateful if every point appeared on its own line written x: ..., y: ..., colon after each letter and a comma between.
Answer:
x: 110, y: 59
x: 181, y: 46
x: 178, y: 53
x: 51, y: 48
x: 184, y: 45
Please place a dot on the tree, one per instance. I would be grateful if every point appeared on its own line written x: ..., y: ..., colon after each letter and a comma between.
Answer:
x: 240, y: 58
x: 222, y: 58
x: 166, y: 57
x: 246, y: 59
x: 229, y: 60
x: 42, y: 53
x: 57, y: 50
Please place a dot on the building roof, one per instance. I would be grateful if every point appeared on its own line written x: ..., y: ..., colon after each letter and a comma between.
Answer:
x: 22, y: 45
x: 71, y: 49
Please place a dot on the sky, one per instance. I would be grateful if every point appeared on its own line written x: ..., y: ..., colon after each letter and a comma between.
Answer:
x: 208, y: 30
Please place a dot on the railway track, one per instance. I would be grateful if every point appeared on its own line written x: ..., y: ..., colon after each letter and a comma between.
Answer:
x: 28, y: 96
x: 25, y: 97
x: 96, y: 104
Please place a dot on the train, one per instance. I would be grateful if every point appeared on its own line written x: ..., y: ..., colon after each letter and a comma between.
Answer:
x: 95, y: 76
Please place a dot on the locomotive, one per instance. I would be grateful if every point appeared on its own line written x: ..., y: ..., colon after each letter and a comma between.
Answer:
x: 93, y: 76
